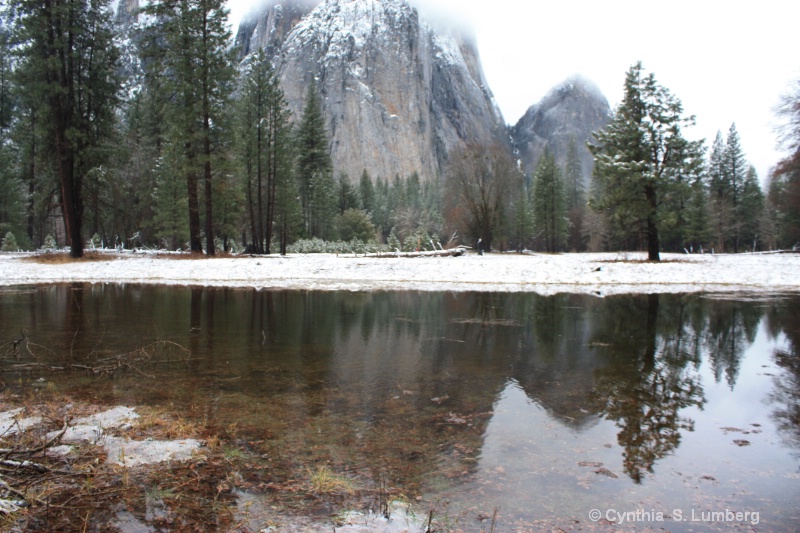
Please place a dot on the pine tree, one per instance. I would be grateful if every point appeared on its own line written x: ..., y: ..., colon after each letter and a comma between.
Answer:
x: 734, y: 173
x: 720, y: 208
x: 697, y: 216
x: 523, y: 216
x: 12, y: 195
x: 169, y: 197
x: 413, y: 192
x: 346, y: 195
x: 640, y: 155
x: 139, y: 156
x: 354, y: 224
x: 6, y: 76
x: 381, y: 212
x: 68, y: 67
x: 323, y: 208
x: 194, y: 59
x: 288, y: 213
x: 228, y: 210
x: 431, y: 202
x: 366, y: 192
x: 576, y: 197
x: 263, y: 145
x: 549, y: 203
x: 751, y: 210
x: 574, y: 190
x: 314, y: 165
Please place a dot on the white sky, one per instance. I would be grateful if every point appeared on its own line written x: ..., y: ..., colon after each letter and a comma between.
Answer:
x: 727, y: 61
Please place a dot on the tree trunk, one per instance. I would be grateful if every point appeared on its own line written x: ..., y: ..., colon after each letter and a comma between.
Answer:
x: 209, y: 200
x: 32, y: 183
x: 194, y: 204
x: 72, y: 206
x: 260, y: 192
x: 272, y: 180
x: 653, y: 244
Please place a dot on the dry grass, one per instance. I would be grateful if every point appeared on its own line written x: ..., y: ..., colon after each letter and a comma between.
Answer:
x: 324, y: 481
x: 645, y: 261
x: 57, y: 258
x: 160, y: 425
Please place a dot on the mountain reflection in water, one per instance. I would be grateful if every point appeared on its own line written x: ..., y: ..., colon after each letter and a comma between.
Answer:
x: 545, y: 406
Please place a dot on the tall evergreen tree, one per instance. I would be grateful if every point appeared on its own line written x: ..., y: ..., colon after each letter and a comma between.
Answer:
x: 194, y: 59
x: 523, y: 215
x: 366, y: 192
x: 640, y: 155
x: 549, y: 203
x: 697, y: 216
x: 720, y: 208
x: 381, y: 210
x: 68, y: 67
x: 263, y: 145
x: 734, y: 173
x: 6, y: 75
x: 12, y: 194
x: 574, y: 190
x: 323, y: 207
x: 751, y: 210
x: 288, y: 214
x: 314, y: 165
x: 346, y: 195
x: 575, y: 196
x: 170, y: 202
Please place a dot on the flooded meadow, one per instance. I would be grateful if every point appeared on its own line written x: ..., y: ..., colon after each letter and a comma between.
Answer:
x: 522, y: 411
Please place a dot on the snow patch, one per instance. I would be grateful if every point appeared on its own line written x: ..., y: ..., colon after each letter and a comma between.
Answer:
x: 11, y: 423
x: 119, y: 451
x: 125, y: 452
x: 539, y: 273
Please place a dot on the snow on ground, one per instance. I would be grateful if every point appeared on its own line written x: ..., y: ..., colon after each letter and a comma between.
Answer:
x: 121, y: 451
x: 603, y: 274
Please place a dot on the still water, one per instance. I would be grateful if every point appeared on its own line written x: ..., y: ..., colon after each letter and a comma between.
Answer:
x: 553, y: 410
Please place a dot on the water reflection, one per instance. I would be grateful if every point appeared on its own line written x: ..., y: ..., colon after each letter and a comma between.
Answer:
x: 431, y: 390
x: 786, y: 394
x: 649, y: 383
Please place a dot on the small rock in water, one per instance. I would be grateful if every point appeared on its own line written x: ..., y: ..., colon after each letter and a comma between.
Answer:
x: 606, y: 472
x: 741, y: 442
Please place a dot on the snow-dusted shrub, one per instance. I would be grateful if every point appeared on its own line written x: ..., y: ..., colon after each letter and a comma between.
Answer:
x: 9, y: 243
x: 95, y: 242
x: 420, y: 240
x: 219, y: 245
x: 393, y: 242
x: 49, y: 243
x: 318, y: 246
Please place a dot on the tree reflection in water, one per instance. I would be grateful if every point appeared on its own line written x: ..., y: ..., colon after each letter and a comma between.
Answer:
x: 786, y: 395
x: 650, y: 382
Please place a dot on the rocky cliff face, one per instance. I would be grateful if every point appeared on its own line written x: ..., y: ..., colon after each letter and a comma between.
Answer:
x: 573, y: 110
x: 399, y: 93
x: 268, y: 26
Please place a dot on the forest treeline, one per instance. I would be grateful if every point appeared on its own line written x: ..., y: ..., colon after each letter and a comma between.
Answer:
x: 158, y: 136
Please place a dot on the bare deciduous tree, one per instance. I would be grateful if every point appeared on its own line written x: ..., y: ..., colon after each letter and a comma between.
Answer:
x: 482, y: 181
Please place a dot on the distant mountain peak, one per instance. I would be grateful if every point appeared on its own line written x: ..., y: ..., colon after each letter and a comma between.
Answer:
x: 399, y: 92
x: 572, y: 110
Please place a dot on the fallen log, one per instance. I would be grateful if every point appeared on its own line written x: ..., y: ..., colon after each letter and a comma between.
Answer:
x: 453, y: 252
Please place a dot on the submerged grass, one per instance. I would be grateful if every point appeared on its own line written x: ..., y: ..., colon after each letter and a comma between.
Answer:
x: 323, y: 480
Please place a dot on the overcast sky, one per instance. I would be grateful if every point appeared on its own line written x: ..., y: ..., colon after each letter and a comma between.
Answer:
x: 727, y: 61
